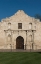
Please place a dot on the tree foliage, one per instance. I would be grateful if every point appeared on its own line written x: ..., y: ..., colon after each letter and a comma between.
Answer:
x: 38, y: 16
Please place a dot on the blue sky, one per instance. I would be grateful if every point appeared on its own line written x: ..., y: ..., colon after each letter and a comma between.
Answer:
x: 9, y: 7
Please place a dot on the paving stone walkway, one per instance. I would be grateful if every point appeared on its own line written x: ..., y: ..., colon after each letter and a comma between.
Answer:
x: 19, y: 50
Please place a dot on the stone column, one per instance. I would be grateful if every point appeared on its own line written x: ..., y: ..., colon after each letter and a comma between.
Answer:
x: 26, y: 40
x: 5, y: 39
x: 12, y: 32
x: 32, y: 39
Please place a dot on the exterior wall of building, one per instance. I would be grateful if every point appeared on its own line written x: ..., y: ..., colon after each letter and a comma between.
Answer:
x: 31, y: 31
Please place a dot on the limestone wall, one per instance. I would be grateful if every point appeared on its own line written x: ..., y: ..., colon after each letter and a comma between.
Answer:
x: 9, y: 27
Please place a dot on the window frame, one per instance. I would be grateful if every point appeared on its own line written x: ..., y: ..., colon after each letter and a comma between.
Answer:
x: 19, y: 25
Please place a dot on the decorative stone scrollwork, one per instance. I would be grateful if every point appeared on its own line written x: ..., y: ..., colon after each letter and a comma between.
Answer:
x: 9, y: 23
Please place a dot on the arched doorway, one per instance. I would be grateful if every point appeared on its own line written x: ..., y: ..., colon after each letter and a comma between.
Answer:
x: 19, y: 42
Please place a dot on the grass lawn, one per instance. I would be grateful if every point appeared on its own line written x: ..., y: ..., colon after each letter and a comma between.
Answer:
x: 20, y: 58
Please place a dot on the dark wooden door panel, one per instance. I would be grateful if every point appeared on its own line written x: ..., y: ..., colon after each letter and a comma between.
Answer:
x: 19, y: 43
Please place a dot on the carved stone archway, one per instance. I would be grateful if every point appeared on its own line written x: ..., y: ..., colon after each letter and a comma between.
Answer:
x: 19, y: 42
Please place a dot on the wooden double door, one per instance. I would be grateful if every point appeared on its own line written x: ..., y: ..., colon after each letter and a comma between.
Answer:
x: 19, y: 43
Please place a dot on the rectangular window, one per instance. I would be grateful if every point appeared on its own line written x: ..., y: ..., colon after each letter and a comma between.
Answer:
x: 19, y: 25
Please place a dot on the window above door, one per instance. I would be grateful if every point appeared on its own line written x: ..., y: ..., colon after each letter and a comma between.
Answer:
x: 19, y: 25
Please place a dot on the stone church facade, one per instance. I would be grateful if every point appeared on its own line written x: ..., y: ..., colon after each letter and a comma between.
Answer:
x: 20, y: 31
